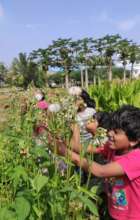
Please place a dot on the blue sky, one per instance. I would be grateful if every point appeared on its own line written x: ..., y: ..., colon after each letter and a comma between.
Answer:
x: 26, y: 25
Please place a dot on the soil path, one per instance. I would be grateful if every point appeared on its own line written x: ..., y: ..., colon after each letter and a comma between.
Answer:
x: 5, y: 96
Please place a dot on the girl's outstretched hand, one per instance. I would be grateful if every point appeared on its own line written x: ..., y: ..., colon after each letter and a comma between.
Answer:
x: 58, y: 145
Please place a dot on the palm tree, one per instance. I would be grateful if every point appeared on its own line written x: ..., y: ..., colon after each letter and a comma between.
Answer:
x: 80, y: 61
x: 43, y: 58
x: 134, y: 55
x: 110, y: 48
x: 75, y: 49
x: 93, y: 62
x: 123, y: 51
x: 98, y: 45
x: 23, y: 68
x: 83, y: 56
x: 61, y: 55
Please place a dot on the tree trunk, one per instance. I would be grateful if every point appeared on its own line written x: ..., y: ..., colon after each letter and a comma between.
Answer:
x: 131, y: 71
x: 86, y: 77
x: 124, y: 72
x: 110, y: 70
x: 66, y: 79
x: 82, y: 78
x: 94, y: 79
x: 45, y: 69
x: 99, y: 80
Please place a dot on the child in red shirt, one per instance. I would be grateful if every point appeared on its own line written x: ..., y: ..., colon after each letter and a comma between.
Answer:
x: 122, y: 171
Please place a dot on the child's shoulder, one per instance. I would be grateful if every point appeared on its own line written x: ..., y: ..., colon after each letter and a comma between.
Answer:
x: 132, y: 155
x: 135, y: 152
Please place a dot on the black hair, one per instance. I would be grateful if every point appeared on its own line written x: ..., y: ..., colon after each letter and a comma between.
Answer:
x: 127, y: 118
x: 43, y: 96
x: 103, y: 118
x: 87, y: 99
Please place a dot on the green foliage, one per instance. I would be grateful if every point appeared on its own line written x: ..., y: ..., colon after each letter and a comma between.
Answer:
x: 31, y: 185
x: 110, y: 96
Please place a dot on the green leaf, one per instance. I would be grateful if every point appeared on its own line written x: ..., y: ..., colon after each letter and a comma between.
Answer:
x: 18, y: 172
x: 22, y: 208
x: 91, y: 194
x: 89, y: 204
x: 37, y: 211
x: 6, y: 214
x: 39, y: 182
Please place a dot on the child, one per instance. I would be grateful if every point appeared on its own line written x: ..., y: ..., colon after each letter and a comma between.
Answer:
x: 100, y: 124
x: 122, y: 172
x: 100, y: 120
x: 85, y: 111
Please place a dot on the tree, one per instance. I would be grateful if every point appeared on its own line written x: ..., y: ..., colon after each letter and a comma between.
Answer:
x: 42, y: 57
x: 84, y: 53
x: 98, y: 46
x: 62, y: 57
x: 3, y: 73
x: 134, y: 55
x: 24, y: 70
x: 93, y: 62
x: 110, y: 48
x: 123, y: 51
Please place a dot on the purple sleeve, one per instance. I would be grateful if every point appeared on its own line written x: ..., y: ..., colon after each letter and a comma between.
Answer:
x: 130, y: 163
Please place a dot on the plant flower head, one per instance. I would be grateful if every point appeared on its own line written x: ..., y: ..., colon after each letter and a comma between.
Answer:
x: 38, y: 96
x: 42, y: 105
x: 54, y: 107
x: 75, y: 91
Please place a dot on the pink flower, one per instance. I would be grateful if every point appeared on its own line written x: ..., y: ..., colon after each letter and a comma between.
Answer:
x: 42, y: 105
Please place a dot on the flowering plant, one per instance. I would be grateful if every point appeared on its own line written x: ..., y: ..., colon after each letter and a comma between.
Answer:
x: 54, y: 107
x: 100, y: 137
x: 74, y: 90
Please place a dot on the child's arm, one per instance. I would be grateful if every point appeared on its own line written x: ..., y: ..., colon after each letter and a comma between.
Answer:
x: 75, y: 140
x: 108, y: 170
x: 94, y: 150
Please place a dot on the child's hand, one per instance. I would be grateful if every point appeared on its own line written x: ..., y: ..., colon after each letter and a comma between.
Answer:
x: 90, y: 149
x: 61, y: 147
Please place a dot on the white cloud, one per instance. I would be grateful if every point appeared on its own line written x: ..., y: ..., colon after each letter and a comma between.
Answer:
x: 1, y: 11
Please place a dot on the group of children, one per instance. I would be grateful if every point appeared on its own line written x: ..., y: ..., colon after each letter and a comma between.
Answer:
x: 121, y: 151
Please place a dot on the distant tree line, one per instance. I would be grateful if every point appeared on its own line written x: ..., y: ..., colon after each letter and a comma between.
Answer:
x: 81, y: 61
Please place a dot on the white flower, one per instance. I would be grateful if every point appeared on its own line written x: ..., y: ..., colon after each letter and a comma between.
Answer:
x: 38, y: 96
x: 75, y: 90
x: 54, y: 107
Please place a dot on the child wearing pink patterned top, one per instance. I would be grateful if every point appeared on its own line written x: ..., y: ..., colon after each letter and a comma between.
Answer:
x: 122, y: 171
x: 124, y: 193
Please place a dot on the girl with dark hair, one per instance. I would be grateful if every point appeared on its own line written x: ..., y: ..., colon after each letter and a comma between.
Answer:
x: 122, y: 171
x: 85, y: 107
x: 87, y: 99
